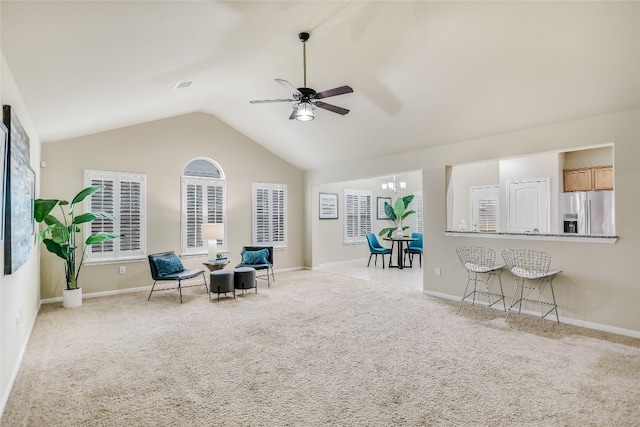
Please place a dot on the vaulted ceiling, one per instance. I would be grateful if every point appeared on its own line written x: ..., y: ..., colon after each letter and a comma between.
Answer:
x: 423, y: 73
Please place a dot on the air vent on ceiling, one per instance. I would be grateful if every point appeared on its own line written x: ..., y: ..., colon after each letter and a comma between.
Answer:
x: 184, y: 84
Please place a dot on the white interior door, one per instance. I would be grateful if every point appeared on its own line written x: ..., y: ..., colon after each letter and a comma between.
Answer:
x: 528, y: 206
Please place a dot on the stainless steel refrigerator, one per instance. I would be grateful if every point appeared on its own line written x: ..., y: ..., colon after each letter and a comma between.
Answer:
x: 588, y: 212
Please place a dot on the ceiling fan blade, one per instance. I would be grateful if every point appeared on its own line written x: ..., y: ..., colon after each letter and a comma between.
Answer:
x: 334, y: 92
x: 266, y: 101
x: 288, y: 86
x: 330, y: 107
x: 293, y: 114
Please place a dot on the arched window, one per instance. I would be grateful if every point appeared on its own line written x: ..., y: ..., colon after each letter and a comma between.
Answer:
x: 203, y: 202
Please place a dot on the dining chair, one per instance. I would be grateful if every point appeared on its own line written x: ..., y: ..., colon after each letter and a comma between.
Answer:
x: 530, y: 269
x: 480, y: 265
x: 375, y: 248
x: 414, y: 247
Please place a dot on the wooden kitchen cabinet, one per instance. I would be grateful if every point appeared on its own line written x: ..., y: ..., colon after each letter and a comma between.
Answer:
x: 603, y: 178
x: 588, y: 179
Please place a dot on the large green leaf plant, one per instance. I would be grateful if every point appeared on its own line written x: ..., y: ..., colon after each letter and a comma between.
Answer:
x: 59, y: 236
x: 397, y: 213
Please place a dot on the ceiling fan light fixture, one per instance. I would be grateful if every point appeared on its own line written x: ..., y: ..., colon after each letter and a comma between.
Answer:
x: 304, y: 112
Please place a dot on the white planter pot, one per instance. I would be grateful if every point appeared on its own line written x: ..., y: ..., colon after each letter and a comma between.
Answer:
x: 71, y: 298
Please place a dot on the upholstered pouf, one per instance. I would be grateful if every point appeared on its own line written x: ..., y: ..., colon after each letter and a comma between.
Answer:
x: 245, y: 278
x: 221, y: 282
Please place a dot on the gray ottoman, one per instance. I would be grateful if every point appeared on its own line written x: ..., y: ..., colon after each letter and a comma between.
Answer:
x: 245, y: 278
x: 221, y: 282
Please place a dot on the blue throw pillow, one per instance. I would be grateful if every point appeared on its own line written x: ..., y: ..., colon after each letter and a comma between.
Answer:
x: 168, y: 266
x: 255, y: 257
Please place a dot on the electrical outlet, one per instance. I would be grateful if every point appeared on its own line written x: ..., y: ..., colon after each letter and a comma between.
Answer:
x: 122, y: 269
x: 438, y: 271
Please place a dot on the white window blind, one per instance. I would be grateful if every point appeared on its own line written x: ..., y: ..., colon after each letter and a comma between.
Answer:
x: 487, y: 215
x: 124, y: 197
x: 484, y: 208
x: 418, y: 217
x: 269, y: 214
x: 357, y: 215
x: 202, y: 203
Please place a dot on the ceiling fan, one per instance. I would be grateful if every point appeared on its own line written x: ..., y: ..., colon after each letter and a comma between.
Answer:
x: 306, y: 99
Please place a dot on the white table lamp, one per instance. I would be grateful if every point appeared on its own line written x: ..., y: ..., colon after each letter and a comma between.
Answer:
x: 212, y: 233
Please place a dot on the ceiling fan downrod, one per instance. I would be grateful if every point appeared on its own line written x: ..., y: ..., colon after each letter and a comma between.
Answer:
x: 303, y: 38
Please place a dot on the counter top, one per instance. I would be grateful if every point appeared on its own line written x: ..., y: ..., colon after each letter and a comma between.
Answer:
x: 563, y: 237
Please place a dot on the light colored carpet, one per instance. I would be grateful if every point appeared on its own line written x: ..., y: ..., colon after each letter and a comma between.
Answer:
x: 317, y: 349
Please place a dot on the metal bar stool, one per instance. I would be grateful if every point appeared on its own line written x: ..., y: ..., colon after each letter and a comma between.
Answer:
x: 480, y: 265
x: 531, y: 272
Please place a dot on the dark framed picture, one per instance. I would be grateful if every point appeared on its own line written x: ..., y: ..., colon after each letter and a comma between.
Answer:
x: 4, y: 138
x: 19, y: 225
x: 380, y: 204
x: 328, y: 206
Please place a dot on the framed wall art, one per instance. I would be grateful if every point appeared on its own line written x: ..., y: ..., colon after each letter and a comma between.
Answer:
x: 380, y: 204
x: 19, y: 225
x: 4, y: 137
x: 328, y: 206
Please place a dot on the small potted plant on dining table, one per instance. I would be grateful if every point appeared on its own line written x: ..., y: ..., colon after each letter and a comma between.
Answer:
x: 59, y: 237
x: 397, y: 213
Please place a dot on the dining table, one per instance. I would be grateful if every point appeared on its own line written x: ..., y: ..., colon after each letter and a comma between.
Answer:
x: 398, y: 243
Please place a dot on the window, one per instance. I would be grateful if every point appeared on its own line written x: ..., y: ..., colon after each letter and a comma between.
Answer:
x: 269, y: 214
x: 418, y: 218
x: 357, y: 223
x: 484, y: 208
x: 124, y: 197
x: 203, y: 202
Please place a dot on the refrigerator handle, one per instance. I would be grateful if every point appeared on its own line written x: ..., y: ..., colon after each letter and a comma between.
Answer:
x: 588, y: 216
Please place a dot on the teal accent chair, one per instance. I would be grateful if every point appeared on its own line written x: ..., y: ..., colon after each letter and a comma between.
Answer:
x: 376, y: 249
x: 414, y: 248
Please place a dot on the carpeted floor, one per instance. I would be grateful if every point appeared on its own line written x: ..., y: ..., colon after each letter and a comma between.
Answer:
x: 317, y: 349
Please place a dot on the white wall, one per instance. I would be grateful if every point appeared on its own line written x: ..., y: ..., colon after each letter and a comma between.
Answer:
x: 600, y: 282
x: 20, y: 291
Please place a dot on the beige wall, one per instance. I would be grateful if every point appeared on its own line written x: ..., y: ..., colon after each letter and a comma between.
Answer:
x: 601, y: 156
x: 600, y: 285
x: 161, y: 149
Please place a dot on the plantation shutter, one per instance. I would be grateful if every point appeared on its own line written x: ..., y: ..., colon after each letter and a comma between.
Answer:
x: 103, y: 201
x: 203, y: 203
x: 203, y: 190
x: 358, y: 216
x: 278, y: 217
x: 130, y: 216
x: 488, y: 215
x: 269, y: 214
x: 418, y: 218
x: 484, y: 208
x: 261, y: 227
x: 195, y: 215
x: 123, y: 197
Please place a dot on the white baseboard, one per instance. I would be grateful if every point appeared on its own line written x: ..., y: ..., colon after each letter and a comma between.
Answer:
x: 14, y: 374
x: 138, y: 289
x: 567, y: 320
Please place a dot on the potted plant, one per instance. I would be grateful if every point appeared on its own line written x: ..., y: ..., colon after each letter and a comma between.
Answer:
x: 397, y: 213
x: 59, y: 237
